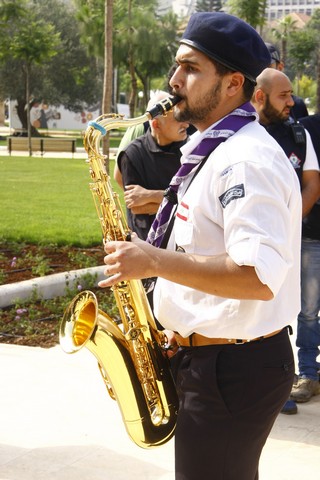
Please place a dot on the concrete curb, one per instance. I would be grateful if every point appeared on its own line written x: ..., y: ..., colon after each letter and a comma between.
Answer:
x: 46, y: 287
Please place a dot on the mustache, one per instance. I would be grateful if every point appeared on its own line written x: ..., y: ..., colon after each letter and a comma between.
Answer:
x: 177, y: 94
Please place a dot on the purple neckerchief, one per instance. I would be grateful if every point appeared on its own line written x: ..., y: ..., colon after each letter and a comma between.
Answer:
x: 212, y: 138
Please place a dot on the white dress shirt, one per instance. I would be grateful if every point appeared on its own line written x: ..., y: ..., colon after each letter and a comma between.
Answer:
x: 245, y: 201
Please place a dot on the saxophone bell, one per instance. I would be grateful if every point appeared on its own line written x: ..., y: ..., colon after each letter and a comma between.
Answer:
x: 149, y: 421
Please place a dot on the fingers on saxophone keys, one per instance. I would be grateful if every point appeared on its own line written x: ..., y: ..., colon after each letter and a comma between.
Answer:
x: 109, y: 247
x: 110, y: 281
x: 110, y: 269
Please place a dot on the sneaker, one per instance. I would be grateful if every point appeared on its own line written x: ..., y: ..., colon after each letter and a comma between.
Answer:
x: 304, y: 390
x: 289, y: 408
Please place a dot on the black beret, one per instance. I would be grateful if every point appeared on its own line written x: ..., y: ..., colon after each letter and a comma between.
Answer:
x: 228, y: 40
x: 274, y: 52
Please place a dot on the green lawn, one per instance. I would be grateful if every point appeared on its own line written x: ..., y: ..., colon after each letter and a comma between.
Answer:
x: 48, y: 200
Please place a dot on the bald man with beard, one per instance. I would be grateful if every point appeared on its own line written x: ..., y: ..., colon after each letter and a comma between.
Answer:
x: 273, y: 101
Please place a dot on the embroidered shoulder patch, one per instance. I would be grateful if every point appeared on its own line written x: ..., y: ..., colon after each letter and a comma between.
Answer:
x: 295, y: 161
x: 232, y: 194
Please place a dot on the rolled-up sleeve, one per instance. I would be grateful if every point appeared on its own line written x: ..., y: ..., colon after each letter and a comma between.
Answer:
x: 258, y: 230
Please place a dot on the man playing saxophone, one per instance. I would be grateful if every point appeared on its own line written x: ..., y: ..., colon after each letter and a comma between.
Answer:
x: 232, y: 259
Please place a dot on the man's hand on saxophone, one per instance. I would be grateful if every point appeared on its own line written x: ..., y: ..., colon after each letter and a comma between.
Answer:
x: 129, y: 260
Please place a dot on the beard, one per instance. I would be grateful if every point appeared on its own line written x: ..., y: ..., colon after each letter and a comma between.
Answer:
x: 203, y: 108
x: 273, y: 115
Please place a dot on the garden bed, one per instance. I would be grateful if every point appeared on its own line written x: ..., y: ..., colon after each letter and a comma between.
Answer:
x: 36, y: 321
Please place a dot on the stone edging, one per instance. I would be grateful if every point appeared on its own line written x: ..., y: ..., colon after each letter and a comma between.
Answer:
x: 47, y: 287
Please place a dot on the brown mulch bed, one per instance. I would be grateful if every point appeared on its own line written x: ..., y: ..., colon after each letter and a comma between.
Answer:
x: 36, y: 322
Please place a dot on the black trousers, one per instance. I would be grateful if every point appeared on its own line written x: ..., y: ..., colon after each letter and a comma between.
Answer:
x: 229, y: 398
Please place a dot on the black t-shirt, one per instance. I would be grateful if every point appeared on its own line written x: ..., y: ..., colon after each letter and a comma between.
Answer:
x: 285, y: 135
x: 143, y: 162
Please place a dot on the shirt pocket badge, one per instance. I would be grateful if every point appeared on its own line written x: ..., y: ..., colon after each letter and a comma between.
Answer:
x: 183, y: 227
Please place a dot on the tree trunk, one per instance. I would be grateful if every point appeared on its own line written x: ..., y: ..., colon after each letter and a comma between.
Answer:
x: 21, y: 109
x: 28, y: 109
x: 284, y: 50
x: 134, y: 83
x: 2, y: 113
x: 108, y: 75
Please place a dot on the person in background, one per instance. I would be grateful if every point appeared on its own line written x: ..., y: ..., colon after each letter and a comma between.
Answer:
x: 228, y: 279
x: 299, y: 108
x: 130, y: 134
x: 147, y: 165
x: 137, y: 130
x: 273, y: 101
x: 308, y: 331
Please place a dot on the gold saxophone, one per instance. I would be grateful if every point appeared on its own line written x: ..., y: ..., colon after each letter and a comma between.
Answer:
x: 130, y: 355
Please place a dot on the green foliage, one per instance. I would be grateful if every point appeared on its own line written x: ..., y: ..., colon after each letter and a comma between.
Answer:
x: 81, y: 259
x: 306, y: 88
x: 301, y: 48
x: 90, y: 15
x: 36, y: 42
x: 252, y: 11
x: 314, y: 23
x: 284, y: 28
x: 32, y: 40
x: 36, y: 321
x: 74, y: 77
x: 70, y: 77
x: 143, y: 42
x: 300, y: 52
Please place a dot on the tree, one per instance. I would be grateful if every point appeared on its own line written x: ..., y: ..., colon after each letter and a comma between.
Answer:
x: 71, y: 78
x: 208, y: 5
x: 92, y: 25
x: 252, y: 11
x: 156, y: 60
x: 302, y: 45
x: 143, y: 43
x: 32, y: 41
x: 313, y: 27
x: 286, y: 26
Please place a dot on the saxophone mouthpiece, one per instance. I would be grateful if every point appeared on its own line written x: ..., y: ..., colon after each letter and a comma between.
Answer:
x: 163, y: 106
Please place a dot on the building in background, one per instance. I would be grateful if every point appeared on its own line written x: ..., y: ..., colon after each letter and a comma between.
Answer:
x: 184, y: 8
x: 275, y: 8
x: 281, y: 8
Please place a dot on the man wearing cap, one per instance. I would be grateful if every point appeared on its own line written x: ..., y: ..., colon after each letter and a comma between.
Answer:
x: 299, y: 109
x: 228, y: 280
x: 273, y: 100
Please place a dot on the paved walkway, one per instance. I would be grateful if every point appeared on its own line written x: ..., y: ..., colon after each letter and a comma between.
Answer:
x: 57, y: 422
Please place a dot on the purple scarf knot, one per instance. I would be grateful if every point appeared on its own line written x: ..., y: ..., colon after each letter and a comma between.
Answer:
x: 219, y: 133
